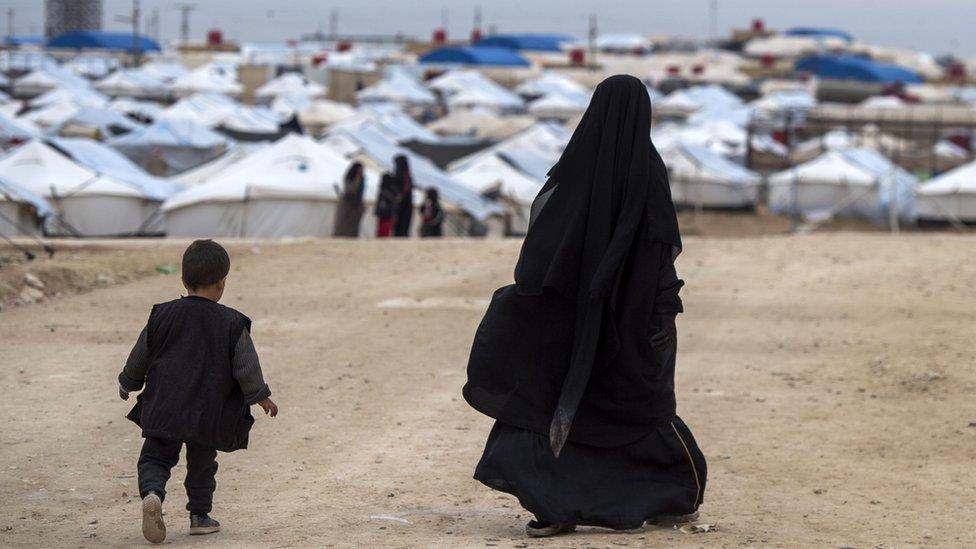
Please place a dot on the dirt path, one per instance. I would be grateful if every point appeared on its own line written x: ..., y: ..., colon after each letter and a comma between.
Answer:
x: 829, y: 380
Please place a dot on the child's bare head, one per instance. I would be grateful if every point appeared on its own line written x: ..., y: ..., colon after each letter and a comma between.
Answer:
x: 205, y: 268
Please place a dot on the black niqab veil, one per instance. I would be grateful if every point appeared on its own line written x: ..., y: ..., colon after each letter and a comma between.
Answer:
x: 606, y: 204
x: 606, y: 177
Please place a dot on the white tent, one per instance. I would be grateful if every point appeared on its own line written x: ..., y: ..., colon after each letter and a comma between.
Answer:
x: 163, y: 70
x: 549, y: 82
x: 211, y: 78
x: 16, y: 129
x: 179, y: 145
x: 132, y: 83
x: 289, y: 83
x: 492, y: 173
x: 88, y: 204
x: 559, y: 105
x: 289, y: 105
x: 845, y: 183
x: 699, y: 177
x: 22, y: 212
x: 481, y: 124
x: 205, y: 172
x: 45, y: 79
x: 622, y: 42
x: 950, y: 196
x: 397, y: 87
x: 323, y: 113
x: 469, y: 89
x: 289, y: 188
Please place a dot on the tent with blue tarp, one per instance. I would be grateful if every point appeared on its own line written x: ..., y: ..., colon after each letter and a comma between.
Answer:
x: 103, y: 40
x: 853, y: 67
x: 528, y: 42
x: 483, y: 56
x: 819, y: 32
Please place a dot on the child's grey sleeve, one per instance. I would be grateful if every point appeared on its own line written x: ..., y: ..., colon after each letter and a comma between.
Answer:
x: 134, y: 373
x: 247, y: 370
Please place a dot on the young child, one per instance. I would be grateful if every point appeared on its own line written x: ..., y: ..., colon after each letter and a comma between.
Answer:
x: 201, y: 375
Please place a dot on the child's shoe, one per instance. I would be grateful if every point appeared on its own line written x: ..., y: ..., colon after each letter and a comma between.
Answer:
x: 153, y: 527
x: 203, y: 524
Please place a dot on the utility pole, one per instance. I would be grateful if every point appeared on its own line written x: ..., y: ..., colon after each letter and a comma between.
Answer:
x: 592, y: 37
x: 477, y: 17
x: 185, y: 9
x: 333, y: 24
x: 134, y: 21
x: 10, y: 22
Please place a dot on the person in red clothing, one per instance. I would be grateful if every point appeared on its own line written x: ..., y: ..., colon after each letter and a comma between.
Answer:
x: 385, y: 210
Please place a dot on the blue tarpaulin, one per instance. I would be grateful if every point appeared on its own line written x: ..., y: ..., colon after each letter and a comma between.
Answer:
x: 529, y: 42
x: 852, y: 67
x: 476, y: 55
x: 103, y: 40
x: 23, y: 40
x: 816, y: 32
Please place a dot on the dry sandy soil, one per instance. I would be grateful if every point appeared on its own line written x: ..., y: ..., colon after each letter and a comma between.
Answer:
x: 829, y: 380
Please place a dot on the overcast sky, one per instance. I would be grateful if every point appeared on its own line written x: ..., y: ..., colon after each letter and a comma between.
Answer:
x: 937, y: 26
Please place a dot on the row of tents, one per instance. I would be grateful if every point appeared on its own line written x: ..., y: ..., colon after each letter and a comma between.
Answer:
x: 79, y: 187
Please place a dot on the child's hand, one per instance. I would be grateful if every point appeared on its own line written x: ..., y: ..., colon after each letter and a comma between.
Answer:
x: 123, y: 394
x: 269, y: 407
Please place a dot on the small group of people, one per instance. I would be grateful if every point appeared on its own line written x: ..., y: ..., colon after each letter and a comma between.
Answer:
x: 574, y: 361
x: 394, y: 204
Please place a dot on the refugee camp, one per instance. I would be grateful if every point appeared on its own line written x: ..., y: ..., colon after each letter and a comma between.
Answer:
x: 615, y: 274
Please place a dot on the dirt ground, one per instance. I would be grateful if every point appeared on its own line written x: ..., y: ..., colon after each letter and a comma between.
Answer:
x: 829, y: 379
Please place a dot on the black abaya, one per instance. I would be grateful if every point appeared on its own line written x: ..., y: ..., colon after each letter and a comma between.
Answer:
x: 404, y: 205
x: 579, y: 352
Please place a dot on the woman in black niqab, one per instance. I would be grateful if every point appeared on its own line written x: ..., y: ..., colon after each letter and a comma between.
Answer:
x: 404, y: 205
x: 575, y: 360
x: 349, y: 210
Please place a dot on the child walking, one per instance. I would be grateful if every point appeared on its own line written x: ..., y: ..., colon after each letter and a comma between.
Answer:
x: 199, y: 374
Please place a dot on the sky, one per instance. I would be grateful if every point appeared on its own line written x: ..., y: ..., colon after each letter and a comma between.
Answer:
x: 935, y: 26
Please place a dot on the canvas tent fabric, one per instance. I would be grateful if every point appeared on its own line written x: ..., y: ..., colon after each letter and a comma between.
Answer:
x: 528, y: 42
x: 16, y: 129
x: 180, y: 143
x: 105, y: 160
x: 289, y: 83
x: 852, y: 67
x: 205, y: 172
x: 322, y: 113
x: 949, y: 197
x: 207, y: 79
x: 289, y: 188
x: 22, y: 211
x: 700, y: 177
x: 549, y: 82
x: 399, y: 88
x: 483, y: 56
x: 104, y: 40
x: 560, y: 105
x: 100, y: 122
x: 131, y: 83
x: 853, y: 182
x: 471, y: 89
x: 87, y: 204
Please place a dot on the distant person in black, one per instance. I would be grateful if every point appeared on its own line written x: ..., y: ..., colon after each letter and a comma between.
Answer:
x: 404, y: 204
x: 431, y: 215
x: 575, y: 361
x: 349, y: 210
x: 199, y: 375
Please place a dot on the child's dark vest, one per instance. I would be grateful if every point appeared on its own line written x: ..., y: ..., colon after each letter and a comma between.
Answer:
x: 191, y: 394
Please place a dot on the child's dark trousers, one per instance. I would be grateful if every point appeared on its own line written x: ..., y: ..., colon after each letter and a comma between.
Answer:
x: 160, y: 455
